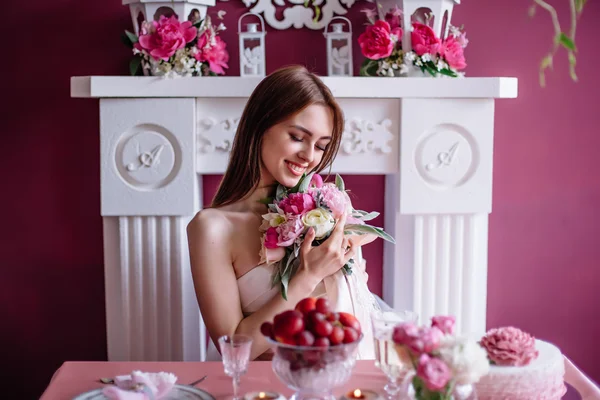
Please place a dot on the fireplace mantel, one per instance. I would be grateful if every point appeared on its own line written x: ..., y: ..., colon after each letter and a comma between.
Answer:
x: 431, y: 138
x: 342, y: 87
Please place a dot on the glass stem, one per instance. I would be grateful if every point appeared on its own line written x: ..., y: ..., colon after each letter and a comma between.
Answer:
x: 236, y: 384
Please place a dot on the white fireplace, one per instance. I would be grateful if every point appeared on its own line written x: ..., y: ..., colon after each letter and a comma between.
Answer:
x: 431, y: 138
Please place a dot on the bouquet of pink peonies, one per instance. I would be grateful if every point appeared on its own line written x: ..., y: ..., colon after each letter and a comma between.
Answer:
x: 311, y: 203
x: 445, y: 366
x: 381, y: 44
x: 171, y: 48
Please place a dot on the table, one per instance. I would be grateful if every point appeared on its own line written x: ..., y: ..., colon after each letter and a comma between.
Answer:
x: 74, y: 377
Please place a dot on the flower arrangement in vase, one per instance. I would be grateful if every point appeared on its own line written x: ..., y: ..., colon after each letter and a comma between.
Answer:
x: 444, y: 366
x: 381, y: 44
x: 171, y: 48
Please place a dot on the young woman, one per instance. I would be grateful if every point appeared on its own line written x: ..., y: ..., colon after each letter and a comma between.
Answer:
x: 291, y: 125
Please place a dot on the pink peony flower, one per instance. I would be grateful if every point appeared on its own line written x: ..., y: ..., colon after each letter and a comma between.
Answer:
x: 165, y: 36
x: 297, y: 203
x: 418, y: 340
x: 290, y: 231
x: 423, y: 39
x: 212, y: 50
x: 375, y: 42
x: 434, y: 372
x: 405, y: 333
x: 427, y: 342
x: 444, y: 323
x: 336, y: 200
x: 509, y: 346
x: 453, y: 53
x: 271, y: 238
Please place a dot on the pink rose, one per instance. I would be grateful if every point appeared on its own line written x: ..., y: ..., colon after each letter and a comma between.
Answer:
x: 375, y: 42
x: 166, y: 36
x: 297, y: 203
x: 212, y: 51
x: 444, y: 323
x: 289, y: 231
x: 453, y: 53
x: 434, y: 372
x: 424, y: 40
x: 271, y: 238
x: 509, y: 346
x: 336, y: 200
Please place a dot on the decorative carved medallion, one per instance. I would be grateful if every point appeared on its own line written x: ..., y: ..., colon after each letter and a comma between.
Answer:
x: 447, y: 156
x: 146, y: 158
x: 297, y: 15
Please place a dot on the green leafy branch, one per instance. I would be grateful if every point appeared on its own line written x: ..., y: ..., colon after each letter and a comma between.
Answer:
x: 566, y: 40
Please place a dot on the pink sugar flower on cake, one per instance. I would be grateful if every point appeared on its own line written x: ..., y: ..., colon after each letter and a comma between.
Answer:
x: 509, y: 346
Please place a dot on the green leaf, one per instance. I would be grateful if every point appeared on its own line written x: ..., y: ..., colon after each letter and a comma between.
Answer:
x: 370, y: 216
x: 566, y: 41
x: 546, y: 62
x: 339, y: 182
x: 198, y: 23
x: 364, y: 229
x: 448, y: 72
x: 305, y: 183
x: 579, y: 5
x: 572, y: 62
x: 134, y: 65
x: 129, y: 38
x: 280, y: 192
x: 369, y: 67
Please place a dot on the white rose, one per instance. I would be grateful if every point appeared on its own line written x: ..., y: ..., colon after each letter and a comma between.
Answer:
x: 467, y: 360
x: 321, y: 220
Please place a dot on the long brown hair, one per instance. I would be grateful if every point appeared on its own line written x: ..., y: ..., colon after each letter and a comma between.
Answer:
x: 277, y: 97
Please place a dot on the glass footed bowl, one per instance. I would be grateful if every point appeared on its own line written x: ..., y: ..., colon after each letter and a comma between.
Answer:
x: 314, y: 372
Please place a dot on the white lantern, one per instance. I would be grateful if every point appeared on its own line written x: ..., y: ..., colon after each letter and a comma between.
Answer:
x: 151, y: 10
x: 339, y: 48
x: 252, y: 47
x: 441, y: 11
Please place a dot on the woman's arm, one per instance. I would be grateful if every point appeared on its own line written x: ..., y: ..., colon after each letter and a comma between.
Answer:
x: 216, y: 284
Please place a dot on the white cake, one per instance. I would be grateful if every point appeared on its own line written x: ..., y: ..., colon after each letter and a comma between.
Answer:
x: 542, y: 379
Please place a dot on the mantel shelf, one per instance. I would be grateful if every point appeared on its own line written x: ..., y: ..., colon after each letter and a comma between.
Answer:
x: 342, y: 87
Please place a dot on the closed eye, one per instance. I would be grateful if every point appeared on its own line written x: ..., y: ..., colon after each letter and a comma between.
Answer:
x: 295, y: 138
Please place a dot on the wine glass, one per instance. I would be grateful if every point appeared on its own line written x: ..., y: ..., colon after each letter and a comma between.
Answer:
x: 235, y: 351
x: 386, y: 357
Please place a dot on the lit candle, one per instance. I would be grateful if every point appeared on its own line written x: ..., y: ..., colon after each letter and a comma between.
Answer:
x: 263, y: 396
x: 362, y: 394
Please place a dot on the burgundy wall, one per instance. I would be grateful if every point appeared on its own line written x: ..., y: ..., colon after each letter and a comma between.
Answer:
x: 544, y: 228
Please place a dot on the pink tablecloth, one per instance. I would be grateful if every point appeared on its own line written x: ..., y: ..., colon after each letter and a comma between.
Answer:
x: 74, y: 378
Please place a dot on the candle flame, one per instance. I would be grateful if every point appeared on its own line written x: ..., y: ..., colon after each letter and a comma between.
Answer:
x: 262, y: 395
x: 357, y: 393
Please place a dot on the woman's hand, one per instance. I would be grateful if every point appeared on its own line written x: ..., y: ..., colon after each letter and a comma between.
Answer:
x: 326, y: 259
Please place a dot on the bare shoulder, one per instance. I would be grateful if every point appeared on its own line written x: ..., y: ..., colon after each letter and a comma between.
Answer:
x: 210, y: 223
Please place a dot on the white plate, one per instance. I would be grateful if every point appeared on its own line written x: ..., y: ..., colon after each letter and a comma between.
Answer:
x: 179, y: 392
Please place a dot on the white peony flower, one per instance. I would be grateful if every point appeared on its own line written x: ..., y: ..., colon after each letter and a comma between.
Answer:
x: 467, y: 360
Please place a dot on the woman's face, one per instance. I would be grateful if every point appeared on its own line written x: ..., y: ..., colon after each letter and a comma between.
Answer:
x: 296, y: 145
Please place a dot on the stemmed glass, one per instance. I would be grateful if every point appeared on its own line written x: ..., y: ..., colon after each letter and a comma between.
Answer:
x: 386, y: 357
x: 235, y: 351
